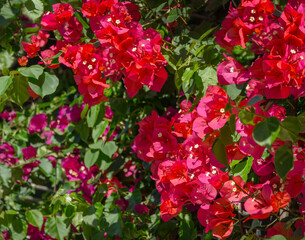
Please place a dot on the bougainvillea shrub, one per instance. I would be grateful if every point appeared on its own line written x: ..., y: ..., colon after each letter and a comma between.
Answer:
x: 152, y: 119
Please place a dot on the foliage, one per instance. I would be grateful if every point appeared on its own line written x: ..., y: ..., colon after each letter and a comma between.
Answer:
x: 152, y: 119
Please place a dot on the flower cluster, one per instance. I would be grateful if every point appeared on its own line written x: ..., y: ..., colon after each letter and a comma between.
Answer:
x: 121, y: 48
x: 278, y: 39
x: 188, y: 173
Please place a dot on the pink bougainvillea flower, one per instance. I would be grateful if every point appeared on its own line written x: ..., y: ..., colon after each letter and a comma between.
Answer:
x: 72, y: 30
x: 231, y: 72
x: 168, y: 208
x: 217, y: 218
x: 212, y: 107
x: 38, y: 123
x: 8, y: 116
x: 41, y: 39
x: 28, y: 168
x: 62, y: 14
x: 233, y: 191
x: 31, y: 49
x: 141, y: 208
x: 7, y: 154
x: 29, y: 152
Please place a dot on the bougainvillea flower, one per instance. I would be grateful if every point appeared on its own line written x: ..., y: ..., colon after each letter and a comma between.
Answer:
x: 41, y: 39
x: 7, y: 154
x: 31, y: 49
x: 231, y: 72
x: 72, y: 30
x: 28, y: 168
x: 38, y: 123
x: 62, y: 14
x: 212, y: 107
x: 168, y: 208
x: 8, y: 116
x: 29, y: 152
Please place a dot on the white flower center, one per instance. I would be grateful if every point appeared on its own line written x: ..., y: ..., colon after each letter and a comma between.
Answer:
x: 252, y: 19
x: 232, y: 69
x: 159, y: 135
x: 222, y: 110
x: 90, y: 67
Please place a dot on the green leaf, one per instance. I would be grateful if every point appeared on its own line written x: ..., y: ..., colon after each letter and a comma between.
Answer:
x: 33, y: 9
x: 219, y: 151
x: 234, y: 90
x: 45, y: 85
x: 208, y: 77
x: 266, y: 132
x: 173, y: 15
x: 18, y: 228
x: 254, y: 100
x: 89, y: 216
x: 34, y: 71
x: 34, y: 217
x: 92, y: 115
x: 170, y: 58
x: 91, y: 157
x: 187, y: 228
x: 84, y: 112
x: 188, y: 73
x: 99, y: 130
x: 56, y: 228
x: 18, y: 90
x: 246, y: 117
x: 82, y: 21
x: 242, y: 168
x: 207, y: 33
x: 46, y: 166
x: 226, y: 135
x: 5, y: 82
x: 290, y: 129
x: 276, y: 237
x: 134, y: 198
x: 5, y: 174
x: 283, y: 160
x: 114, y: 220
x: 109, y: 148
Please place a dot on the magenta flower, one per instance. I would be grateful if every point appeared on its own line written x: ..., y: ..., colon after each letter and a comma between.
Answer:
x: 38, y: 123
x: 29, y: 152
x: 141, y: 208
x: 9, y: 116
x: 6, y: 154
